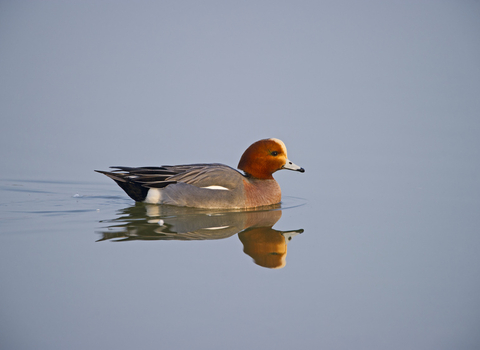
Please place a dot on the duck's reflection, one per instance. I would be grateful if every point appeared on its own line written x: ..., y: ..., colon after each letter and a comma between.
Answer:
x: 267, y: 246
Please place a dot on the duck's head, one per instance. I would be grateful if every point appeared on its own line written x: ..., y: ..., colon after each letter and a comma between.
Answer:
x: 265, y: 157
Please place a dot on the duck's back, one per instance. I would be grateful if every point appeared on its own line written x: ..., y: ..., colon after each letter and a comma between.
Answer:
x: 201, y: 186
x: 192, y: 185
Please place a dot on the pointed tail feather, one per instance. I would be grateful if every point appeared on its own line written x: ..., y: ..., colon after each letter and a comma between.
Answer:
x: 135, y: 190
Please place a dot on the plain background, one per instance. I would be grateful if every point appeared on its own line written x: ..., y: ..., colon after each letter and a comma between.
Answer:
x: 378, y: 101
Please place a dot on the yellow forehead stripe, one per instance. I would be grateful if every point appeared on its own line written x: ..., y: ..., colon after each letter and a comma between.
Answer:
x: 282, y: 145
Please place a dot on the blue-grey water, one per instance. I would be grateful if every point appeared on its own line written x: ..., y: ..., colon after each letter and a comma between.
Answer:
x: 375, y: 246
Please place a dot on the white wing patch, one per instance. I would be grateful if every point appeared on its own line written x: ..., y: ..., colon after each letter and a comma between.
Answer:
x: 216, y: 228
x: 215, y: 187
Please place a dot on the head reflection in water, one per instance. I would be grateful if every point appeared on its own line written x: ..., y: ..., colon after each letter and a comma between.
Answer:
x: 265, y: 245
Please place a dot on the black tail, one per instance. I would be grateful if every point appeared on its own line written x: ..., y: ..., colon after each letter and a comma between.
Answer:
x: 134, y: 190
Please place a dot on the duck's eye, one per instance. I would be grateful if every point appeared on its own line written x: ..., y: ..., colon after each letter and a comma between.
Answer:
x: 274, y: 153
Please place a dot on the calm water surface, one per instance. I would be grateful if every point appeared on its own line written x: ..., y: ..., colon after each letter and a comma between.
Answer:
x: 83, y: 266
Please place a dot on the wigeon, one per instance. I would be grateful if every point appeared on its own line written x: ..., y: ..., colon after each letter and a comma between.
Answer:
x: 211, y: 185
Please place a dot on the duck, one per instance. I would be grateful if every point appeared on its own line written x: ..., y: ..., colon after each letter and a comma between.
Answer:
x: 213, y: 185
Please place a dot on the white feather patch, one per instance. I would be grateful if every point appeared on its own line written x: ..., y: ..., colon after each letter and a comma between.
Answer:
x: 154, y: 196
x: 215, y: 187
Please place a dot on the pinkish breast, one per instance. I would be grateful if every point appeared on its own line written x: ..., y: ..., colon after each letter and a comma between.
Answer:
x: 261, y: 192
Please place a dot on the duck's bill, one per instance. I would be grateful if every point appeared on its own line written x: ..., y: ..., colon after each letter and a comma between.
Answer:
x: 290, y: 166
